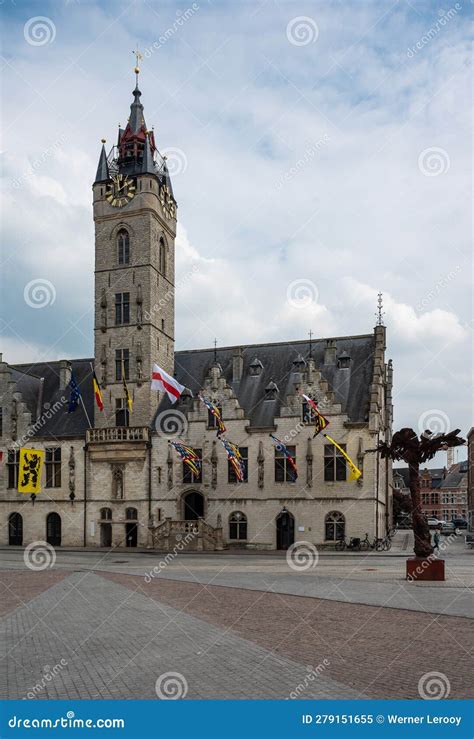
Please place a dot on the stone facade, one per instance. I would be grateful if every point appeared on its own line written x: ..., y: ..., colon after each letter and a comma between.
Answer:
x: 120, y: 483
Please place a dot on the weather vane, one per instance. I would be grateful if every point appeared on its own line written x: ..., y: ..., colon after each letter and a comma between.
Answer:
x: 138, y: 56
x: 380, y: 313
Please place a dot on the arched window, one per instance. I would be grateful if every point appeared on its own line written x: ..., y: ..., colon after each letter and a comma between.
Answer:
x: 53, y: 529
x: 106, y: 514
x: 15, y: 529
x: 131, y: 514
x: 123, y: 247
x: 237, y: 526
x: 162, y: 257
x: 335, y: 526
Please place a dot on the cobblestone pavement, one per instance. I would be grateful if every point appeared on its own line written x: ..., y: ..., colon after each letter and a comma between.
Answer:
x: 370, y: 579
x: 100, y: 639
x: 110, y: 635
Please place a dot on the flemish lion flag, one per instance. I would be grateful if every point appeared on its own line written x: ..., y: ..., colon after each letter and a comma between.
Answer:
x: 355, y: 471
x: 29, y: 470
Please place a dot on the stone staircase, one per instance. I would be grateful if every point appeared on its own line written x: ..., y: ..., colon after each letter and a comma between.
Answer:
x: 195, y: 536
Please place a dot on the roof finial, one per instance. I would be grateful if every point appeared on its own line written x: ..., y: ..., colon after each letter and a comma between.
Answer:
x: 215, y: 351
x: 310, y: 344
x: 138, y: 56
x: 380, y: 313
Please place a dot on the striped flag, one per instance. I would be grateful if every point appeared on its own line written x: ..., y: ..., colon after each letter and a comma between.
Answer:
x: 188, y: 455
x: 320, y: 422
x: 215, y: 410
x: 279, y: 445
x: 355, y: 471
x: 163, y: 382
x: 97, y: 392
x: 125, y: 389
x: 235, y: 458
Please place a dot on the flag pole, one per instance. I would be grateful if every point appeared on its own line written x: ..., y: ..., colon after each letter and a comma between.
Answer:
x: 87, y: 415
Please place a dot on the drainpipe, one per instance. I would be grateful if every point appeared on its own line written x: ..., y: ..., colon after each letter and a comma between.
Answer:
x: 149, y: 481
x: 377, y: 478
x: 85, y: 494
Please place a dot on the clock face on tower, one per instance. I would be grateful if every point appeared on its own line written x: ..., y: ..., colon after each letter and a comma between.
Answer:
x: 120, y: 191
x: 167, y: 202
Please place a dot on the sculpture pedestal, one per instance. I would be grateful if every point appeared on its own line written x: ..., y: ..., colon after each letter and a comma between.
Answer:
x: 425, y: 568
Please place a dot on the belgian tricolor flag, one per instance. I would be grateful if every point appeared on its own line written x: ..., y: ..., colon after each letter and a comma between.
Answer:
x: 97, y: 392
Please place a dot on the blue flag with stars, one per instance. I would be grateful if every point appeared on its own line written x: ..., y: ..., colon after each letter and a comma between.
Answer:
x: 75, y: 395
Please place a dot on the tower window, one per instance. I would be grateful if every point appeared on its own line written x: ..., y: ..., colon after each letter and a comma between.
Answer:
x: 123, y: 247
x: 122, y: 361
x: 122, y: 308
x: 122, y: 416
x: 162, y: 257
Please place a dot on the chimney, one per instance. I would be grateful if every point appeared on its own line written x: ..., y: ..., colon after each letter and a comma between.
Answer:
x: 330, y: 352
x: 65, y: 371
x: 237, y: 365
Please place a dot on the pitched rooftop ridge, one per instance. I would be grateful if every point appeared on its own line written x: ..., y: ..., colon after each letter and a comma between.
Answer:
x: 289, y: 343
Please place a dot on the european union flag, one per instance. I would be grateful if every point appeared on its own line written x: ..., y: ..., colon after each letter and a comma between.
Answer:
x: 75, y: 395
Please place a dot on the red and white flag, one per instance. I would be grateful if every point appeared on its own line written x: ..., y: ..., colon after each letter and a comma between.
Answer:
x: 162, y: 381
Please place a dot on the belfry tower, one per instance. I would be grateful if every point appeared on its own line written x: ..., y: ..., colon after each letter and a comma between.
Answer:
x: 135, y: 230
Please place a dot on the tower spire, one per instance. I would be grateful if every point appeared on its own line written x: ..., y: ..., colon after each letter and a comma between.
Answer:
x: 103, y: 167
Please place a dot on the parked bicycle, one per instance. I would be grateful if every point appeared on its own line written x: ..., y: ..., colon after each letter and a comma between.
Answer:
x: 378, y: 544
x: 353, y: 543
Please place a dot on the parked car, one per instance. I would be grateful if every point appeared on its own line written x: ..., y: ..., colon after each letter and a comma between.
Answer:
x: 448, y: 528
x: 460, y: 523
x: 469, y: 539
x: 434, y: 523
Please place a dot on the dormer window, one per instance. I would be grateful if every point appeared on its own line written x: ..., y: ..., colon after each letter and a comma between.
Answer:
x: 344, y: 361
x: 299, y: 363
x: 271, y: 391
x: 255, y: 368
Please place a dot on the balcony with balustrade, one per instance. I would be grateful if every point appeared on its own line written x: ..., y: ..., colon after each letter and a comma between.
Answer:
x: 118, y: 443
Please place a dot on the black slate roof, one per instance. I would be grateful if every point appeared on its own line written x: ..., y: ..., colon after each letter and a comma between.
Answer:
x: 350, y: 386
x: 39, y: 382
x: 456, y: 476
x: 39, y: 385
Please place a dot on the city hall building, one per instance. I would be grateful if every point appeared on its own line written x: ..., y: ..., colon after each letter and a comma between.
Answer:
x: 111, y: 477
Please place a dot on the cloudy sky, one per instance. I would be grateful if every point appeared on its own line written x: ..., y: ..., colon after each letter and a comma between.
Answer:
x: 320, y: 154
